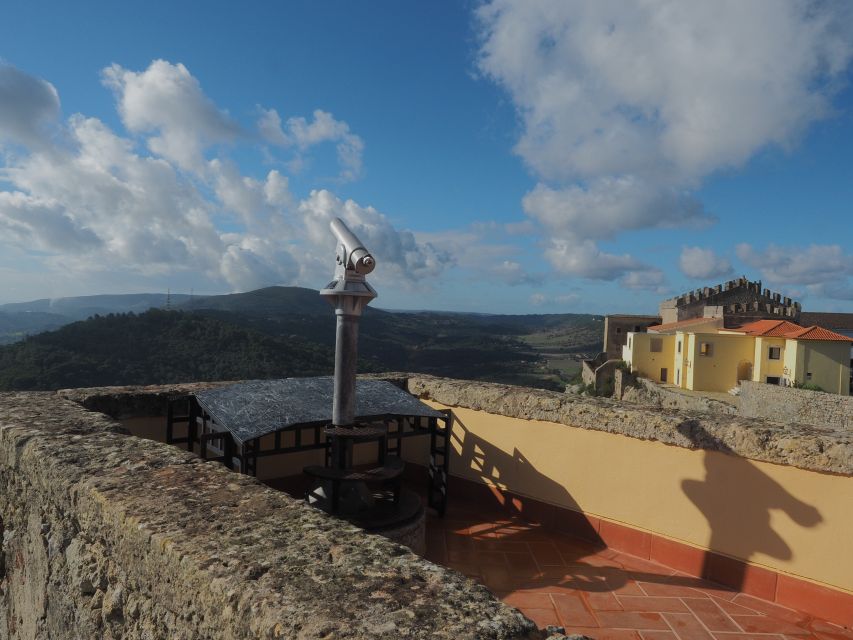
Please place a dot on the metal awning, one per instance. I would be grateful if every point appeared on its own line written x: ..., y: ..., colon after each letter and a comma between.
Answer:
x: 255, y: 408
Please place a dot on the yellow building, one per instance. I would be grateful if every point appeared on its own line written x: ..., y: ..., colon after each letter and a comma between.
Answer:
x: 700, y: 355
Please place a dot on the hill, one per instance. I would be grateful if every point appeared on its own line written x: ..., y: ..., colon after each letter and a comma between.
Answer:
x: 82, y: 307
x: 538, y: 350
x: 17, y: 325
x: 155, y: 347
x: 534, y: 350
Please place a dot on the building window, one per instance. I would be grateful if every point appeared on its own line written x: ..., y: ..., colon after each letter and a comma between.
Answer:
x: 618, y: 329
x: 809, y: 375
x: 706, y: 349
x: 637, y: 328
x: 775, y: 353
x: 679, y: 346
x: 656, y: 345
x: 629, y: 342
x: 678, y: 376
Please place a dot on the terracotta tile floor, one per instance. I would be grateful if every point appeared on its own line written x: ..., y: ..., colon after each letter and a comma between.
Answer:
x: 559, y: 580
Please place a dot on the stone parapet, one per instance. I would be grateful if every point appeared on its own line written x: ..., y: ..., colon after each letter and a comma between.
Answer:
x: 787, y: 404
x: 823, y: 449
x: 649, y: 392
x: 110, y: 536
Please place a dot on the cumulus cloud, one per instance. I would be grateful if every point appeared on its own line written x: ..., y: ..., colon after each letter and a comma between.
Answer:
x: 702, y: 264
x: 610, y: 206
x: 564, y: 300
x: 168, y: 100
x: 300, y: 133
x: 584, y: 258
x: 660, y: 89
x: 27, y: 106
x: 626, y: 108
x: 94, y: 204
x: 648, y: 278
x: 42, y: 224
x: 814, y: 264
x: 405, y: 260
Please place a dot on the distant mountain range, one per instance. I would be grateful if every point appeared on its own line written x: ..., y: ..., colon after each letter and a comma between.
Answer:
x: 125, y: 340
x: 19, y: 319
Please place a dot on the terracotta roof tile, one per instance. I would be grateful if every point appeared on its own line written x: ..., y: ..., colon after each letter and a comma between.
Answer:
x: 777, y: 328
x: 817, y: 333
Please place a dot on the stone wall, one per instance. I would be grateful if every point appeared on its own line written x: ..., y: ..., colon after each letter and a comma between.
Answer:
x: 816, y: 449
x: 650, y: 393
x: 616, y: 329
x: 742, y: 301
x: 105, y: 535
x: 760, y: 400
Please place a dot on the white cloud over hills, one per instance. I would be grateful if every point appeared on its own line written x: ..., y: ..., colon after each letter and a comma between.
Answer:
x: 88, y: 201
x: 627, y: 107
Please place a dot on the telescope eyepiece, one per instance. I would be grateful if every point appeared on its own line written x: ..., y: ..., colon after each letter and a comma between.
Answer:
x: 355, y: 257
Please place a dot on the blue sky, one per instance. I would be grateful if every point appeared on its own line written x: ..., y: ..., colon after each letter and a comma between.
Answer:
x: 513, y: 157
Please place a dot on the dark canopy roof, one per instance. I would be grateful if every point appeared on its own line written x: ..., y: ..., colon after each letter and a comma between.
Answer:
x: 257, y: 407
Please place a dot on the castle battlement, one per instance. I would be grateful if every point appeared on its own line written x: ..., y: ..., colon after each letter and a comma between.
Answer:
x: 737, y: 301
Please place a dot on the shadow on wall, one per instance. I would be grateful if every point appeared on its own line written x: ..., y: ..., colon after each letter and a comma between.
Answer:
x: 739, y: 527
x: 502, y: 470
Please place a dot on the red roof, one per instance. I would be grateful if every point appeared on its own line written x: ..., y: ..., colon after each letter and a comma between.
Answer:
x: 785, y: 329
x: 679, y: 324
x: 777, y: 328
x: 817, y: 333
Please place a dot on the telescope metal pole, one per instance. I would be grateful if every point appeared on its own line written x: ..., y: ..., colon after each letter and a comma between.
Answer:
x: 349, y: 293
x: 346, y: 355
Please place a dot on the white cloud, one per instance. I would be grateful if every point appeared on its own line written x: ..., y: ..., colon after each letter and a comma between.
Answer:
x: 702, y: 264
x: 659, y: 89
x: 649, y: 279
x: 299, y: 133
x: 42, y: 224
x: 814, y: 264
x: 27, y: 106
x: 404, y: 260
x: 269, y: 126
x: 167, y: 99
x: 512, y: 273
x: 627, y: 107
x: 482, y: 251
x: 611, y: 206
x: 584, y: 258
x: 563, y: 300
x: 95, y: 205
x: 839, y: 290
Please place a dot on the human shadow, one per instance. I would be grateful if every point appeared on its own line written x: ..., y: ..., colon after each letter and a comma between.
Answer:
x: 498, y: 524
x: 737, y: 500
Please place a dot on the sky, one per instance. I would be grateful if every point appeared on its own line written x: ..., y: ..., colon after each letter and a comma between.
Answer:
x: 511, y: 156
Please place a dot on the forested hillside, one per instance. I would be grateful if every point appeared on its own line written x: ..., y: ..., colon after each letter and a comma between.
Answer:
x: 155, y: 347
x: 281, y: 331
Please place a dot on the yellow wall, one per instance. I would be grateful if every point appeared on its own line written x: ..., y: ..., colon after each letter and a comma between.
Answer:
x: 793, y: 364
x: 763, y: 365
x: 829, y: 364
x: 649, y: 364
x: 717, y: 372
x: 680, y: 359
x: 794, y: 521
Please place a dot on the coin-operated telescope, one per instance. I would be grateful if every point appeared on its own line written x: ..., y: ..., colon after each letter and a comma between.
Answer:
x: 349, y: 293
